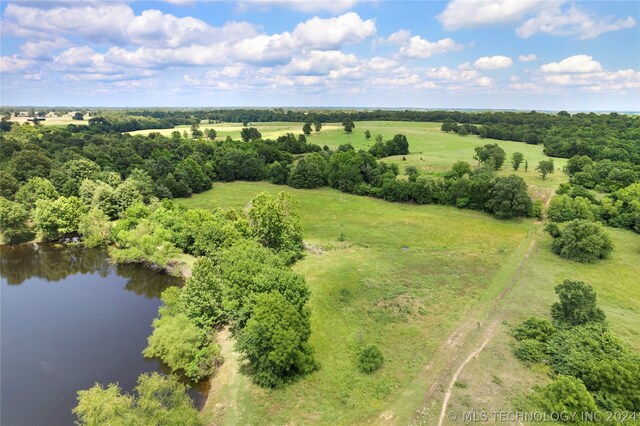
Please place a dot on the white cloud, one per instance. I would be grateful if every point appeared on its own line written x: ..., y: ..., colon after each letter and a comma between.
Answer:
x: 478, y: 13
x: 571, y: 22
x: 318, y: 33
x: 42, y: 49
x: 399, y: 37
x: 95, y: 22
x: 417, y: 47
x: 333, y: 6
x: 13, y: 64
x: 528, y: 58
x: 493, y: 62
x: 319, y: 62
x: 573, y: 64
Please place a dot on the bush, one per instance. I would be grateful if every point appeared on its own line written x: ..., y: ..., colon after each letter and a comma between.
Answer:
x: 565, y: 395
x: 533, y: 328
x: 13, y: 221
x: 370, y: 359
x: 582, y: 241
x: 577, y: 305
x: 530, y: 351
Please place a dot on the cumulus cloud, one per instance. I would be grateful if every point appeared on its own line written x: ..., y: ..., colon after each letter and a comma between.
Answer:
x: 573, y: 64
x: 417, y: 47
x: 539, y: 16
x: 42, y: 49
x: 13, y: 64
x: 333, y: 6
x: 493, y: 62
x: 572, y: 22
x: 528, y: 58
x: 478, y: 13
x: 463, y: 76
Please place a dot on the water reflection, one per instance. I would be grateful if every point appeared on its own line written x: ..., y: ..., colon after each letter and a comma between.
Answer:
x: 55, y: 262
x: 69, y: 319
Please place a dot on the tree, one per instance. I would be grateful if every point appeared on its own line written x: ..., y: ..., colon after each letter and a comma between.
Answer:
x: 211, y: 133
x: 577, y: 305
x: 278, y: 174
x: 275, y: 223
x: 516, y: 160
x: 582, y: 241
x: 309, y: 172
x: 13, y: 221
x: 462, y: 131
x: 563, y: 208
x: 370, y: 359
x: 306, y: 128
x: 201, y: 296
x: 78, y: 116
x: 318, y: 126
x: 367, y: 134
x: 160, y: 401
x: 566, y: 395
x: 490, y: 155
x: 348, y: 125
x: 8, y: 185
x: 275, y: 341
x: 398, y: 145
x: 191, y: 173
x: 545, y: 167
x: 95, y: 228
x: 54, y: 219
x: 196, y: 133
x: 250, y: 133
x: 508, y: 197
x: 35, y: 189
x: 26, y: 164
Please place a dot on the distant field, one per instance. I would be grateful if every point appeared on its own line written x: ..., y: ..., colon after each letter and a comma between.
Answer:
x: 403, y: 278
x: 52, y: 121
x: 430, y: 149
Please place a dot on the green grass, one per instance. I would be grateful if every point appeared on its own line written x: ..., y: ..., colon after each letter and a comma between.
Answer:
x: 430, y: 149
x: 369, y: 290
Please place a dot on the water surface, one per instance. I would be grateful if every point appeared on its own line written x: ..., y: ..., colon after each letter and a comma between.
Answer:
x: 69, y: 319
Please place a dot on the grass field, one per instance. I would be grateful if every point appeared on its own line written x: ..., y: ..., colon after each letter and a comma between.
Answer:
x: 370, y: 290
x: 431, y: 150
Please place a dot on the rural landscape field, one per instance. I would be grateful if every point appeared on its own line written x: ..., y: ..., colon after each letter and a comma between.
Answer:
x: 333, y: 213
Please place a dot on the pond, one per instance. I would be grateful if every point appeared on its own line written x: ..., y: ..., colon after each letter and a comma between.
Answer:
x: 70, y: 318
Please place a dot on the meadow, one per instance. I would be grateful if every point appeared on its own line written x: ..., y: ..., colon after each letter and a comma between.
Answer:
x: 431, y: 150
x: 403, y: 277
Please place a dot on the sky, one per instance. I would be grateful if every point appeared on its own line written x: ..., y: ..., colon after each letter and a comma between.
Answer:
x: 488, y: 54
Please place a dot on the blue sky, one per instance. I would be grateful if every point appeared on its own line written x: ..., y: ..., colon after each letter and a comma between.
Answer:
x: 521, y: 54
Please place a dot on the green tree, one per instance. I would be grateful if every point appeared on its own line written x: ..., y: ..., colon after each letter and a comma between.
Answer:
x: 516, y: 160
x: 490, y: 155
x: 8, y: 185
x: 78, y: 116
x: 27, y: 164
x: 201, y: 296
x: 577, y: 305
x: 370, y: 359
x: 54, y: 219
x: 191, y: 173
x: 462, y: 131
x: 566, y: 395
x: 13, y: 221
x: 36, y: 188
x: 367, y: 134
x: 306, y: 128
x: 277, y: 173
x: 508, y: 197
x: 348, y: 125
x: 211, y: 133
x: 275, y: 341
x: 582, y: 241
x: 309, y: 172
x: 95, y: 228
x: 275, y: 223
x: 545, y: 167
x: 318, y: 126
x: 563, y: 208
x: 196, y: 133
x: 160, y: 401
x: 250, y: 133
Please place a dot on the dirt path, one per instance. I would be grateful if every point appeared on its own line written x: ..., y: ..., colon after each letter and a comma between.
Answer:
x: 493, y: 318
x: 222, y: 401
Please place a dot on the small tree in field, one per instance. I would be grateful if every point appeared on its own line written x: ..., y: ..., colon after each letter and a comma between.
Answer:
x: 582, y: 241
x: 306, y: 128
x: 348, y: 125
x: 367, y: 134
x: 577, y: 305
x: 545, y: 167
x: 318, y: 126
x: 370, y: 359
x: 516, y: 160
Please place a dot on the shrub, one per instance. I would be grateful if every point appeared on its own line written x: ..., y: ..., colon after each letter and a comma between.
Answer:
x: 565, y: 395
x: 530, y: 350
x: 577, y: 305
x: 582, y: 241
x: 533, y: 328
x: 370, y: 359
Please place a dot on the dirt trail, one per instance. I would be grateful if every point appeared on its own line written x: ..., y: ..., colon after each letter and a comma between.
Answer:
x: 493, y: 318
x: 222, y: 400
